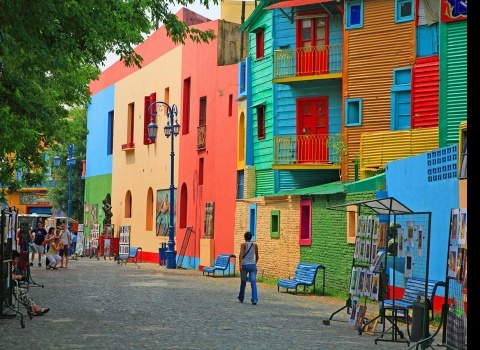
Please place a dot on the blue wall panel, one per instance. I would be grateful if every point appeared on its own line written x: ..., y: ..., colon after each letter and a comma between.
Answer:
x: 99, y: 163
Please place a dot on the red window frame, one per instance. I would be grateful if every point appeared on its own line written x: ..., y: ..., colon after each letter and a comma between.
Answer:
x: 260, y: 43
x: 261, y: 133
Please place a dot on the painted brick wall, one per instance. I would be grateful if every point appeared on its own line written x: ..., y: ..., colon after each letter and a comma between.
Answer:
x: 249, y: 182
x: 278, y: 256
x: 329, y: 241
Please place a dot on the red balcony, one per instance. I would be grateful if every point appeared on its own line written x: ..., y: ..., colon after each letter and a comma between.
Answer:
x: 128, y: 146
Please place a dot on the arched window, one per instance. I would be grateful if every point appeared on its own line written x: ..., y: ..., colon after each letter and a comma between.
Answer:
x: 149, y: 212
x: 183, y: 206
x: 128, y: 204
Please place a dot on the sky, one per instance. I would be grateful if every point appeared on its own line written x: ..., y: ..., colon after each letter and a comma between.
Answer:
x: 212, y: 13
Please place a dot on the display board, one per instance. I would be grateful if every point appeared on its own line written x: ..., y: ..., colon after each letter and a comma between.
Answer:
x: 80, y: 249
x: 124, y: 240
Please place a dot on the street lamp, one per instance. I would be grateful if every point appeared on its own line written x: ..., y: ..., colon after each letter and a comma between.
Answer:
x: 70, y: 163
x: 171, y: 129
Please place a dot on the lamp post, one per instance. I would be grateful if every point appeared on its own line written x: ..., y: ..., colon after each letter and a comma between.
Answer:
x: 171, y: 129
x: 70, y: 163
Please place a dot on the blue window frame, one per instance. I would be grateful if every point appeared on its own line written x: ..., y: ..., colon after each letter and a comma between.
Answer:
x: 354, y: 14
x: 252, y: 221
x: 110, y: 133
x: 353, y: 112
x: 401, y: 99
x: 403, y: 10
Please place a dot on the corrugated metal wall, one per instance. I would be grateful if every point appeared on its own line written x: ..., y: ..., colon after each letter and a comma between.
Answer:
x: 379, y: 148
x: 425, y: 87
x: 265, y: 184
x: 453, y: 80
x: 371, y: 55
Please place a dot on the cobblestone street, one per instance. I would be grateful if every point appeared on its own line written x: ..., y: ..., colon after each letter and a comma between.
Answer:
x: 98, y: 304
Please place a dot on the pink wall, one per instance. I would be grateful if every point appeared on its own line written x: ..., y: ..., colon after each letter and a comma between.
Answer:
x: 219, y: 186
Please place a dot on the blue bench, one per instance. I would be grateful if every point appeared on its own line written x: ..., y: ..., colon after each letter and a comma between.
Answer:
x: 222, y: 263
x: 131, y: 256
x: 305, y: 275
x: 414, y: 288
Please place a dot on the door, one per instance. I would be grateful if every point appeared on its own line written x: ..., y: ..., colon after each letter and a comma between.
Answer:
x: 312, y: 130
x: 312, y: 46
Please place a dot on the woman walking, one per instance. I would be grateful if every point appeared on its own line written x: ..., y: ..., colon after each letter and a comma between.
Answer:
x: 248, y: 267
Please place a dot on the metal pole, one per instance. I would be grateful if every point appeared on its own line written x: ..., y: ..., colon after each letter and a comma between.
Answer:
x: 171, y: 253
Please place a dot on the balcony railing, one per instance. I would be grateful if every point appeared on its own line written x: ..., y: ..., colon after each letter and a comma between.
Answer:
x: 303, y: 149
x: 128, y: 146
x: 308, y: 61
x: 201, y: 135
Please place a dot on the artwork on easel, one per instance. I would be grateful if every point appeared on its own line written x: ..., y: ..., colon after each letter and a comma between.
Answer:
x: 459, y: 266
x: 374, y: 250
x: 368, y: 234
x: 368, y: 283
x: 377, y: 261
x: 454, y: 225
x: 410, y: 233
x: 361, y: 282
x: 360, y: 316
x: 356, y: 252
x: 452, y: 261
x: 408, y: 264
x: 353, y: 281
x: 370, y: 327
x: 400, y: 237
x: 376, y: 222
x: 462, y: 234
x: 353, y: 315
x: 382, y: 235
x: 420, y: 241
x: 367, y: 251
x: 464, y: 270
x: 375, y: 286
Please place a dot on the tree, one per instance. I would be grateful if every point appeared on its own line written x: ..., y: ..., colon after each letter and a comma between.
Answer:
x: 58, y: 194
x: 51, y: 52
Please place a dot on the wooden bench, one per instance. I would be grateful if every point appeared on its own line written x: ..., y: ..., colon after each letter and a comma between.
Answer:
x: 131, y: 256
x: 414, y: 288
x: 222, y: 263
x: 305, y: 275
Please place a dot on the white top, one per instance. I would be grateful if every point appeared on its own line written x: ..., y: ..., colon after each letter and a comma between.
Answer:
x: 64, y: 237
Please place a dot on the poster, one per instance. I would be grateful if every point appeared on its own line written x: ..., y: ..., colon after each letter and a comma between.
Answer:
x: 164, y: 206
x: 452, y: 261
x: 410, y: 233
x: 420, y: 241
x: 454, y: 225
x: 462, y: 234
x: 408, y: 264
x: 400, y: 238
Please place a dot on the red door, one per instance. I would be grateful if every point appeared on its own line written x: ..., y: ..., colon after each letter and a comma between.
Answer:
x: 312, y: 46
x: 312, y: 130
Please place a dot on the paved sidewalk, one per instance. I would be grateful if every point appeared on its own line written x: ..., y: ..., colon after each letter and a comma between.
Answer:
x: 98, y: 304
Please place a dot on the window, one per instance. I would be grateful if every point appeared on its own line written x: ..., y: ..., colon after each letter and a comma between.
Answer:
x: 400, y: 99
x: 463, y: 159
x: 240, y: 185
x: 259, y: 41
x: 354, y: 14
x: 230, y: 105
x: 149, y: 212
x: 110, y: 133
x: 403, y: 10
x: 147, y: 118
x: 353, y: 112
x: 128, y: 204
x: 186, y: 106
x: 252, y: 221
x: 275, y: 223
x: 202, y: 114
x: 242, y: 81
x: 131, y: 123
x: 261, y: 122
x: 305, y: 222
x: 166, y: 96
x: 200, y: 171
x: 352, y: 223
x: 183, y: 206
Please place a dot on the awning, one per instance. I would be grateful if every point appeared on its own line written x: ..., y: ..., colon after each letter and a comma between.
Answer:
x: 385, y: 206
x: 294, y: 3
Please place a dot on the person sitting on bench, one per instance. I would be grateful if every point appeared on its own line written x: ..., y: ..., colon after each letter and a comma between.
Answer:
x: 21, y: 292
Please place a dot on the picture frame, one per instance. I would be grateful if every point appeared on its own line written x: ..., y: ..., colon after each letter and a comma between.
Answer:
x: 370, y: 326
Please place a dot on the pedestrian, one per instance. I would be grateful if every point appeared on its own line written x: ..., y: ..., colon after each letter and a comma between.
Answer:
x: 65, y: 238
x: 248, y: 267
x: 54, y: 247
x: 38, y: 235
x: 21, y: 291
x: 46, y: 243
x: 74, y: 243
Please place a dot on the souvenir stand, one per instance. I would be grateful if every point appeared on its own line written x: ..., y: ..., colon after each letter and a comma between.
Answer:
x: 124, y: 243
x: 454, y: 310
x: 392, y: 244
x: 93, y: 241
x: 80, y: 249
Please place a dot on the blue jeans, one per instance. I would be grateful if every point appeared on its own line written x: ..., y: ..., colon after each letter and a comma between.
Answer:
x: 251, y: 271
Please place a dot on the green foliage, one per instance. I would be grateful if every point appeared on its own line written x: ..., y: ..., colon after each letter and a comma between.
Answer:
x: 337, y: 147
x: 51, y: 52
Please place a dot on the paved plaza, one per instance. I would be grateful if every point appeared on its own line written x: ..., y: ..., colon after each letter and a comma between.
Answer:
x: 98, y: 304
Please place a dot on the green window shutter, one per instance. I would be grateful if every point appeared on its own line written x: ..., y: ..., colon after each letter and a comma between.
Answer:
x: 275, y: 224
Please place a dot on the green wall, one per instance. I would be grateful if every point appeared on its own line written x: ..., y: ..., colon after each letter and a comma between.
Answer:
x: 96, y: 189
x: 329, y: 241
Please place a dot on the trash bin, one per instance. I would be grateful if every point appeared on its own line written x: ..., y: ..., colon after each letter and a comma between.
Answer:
x: 162, y: 252
x: 417, y: 321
